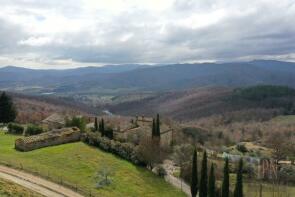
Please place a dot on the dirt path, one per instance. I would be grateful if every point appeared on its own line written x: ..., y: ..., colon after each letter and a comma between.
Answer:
x: 36, y: 184
x: 169, y: 167
x: 179, y: 184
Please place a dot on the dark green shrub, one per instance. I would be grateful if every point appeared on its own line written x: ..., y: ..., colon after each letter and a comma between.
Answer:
x: 33, y: 130
x: 287, y: 174
x: 161, y: 171
x: 109, y: 132
x: 15, y: 128
x: 242, y: 148
x: 79, y: 122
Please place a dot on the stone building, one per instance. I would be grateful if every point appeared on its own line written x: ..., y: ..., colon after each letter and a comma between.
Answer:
x: 133, y: 129
x: 54, y: 121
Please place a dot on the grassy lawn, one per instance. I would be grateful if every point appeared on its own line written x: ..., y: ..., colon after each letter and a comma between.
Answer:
x: 9, y: 189
x: 284, y: 119
x: 268, y: 190
x: 252, y: 190
x: 77, y: 163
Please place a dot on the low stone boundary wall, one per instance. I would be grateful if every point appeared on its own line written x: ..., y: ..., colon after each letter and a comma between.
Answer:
x: 51, y: 138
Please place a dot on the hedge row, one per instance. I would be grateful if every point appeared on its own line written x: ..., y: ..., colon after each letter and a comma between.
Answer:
x: 15, y: 128
x: 18, y: 129
x: 126, y: 151
x: 33, y: 130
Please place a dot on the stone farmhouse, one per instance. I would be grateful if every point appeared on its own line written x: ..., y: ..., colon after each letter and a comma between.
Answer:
x: 54, y: 121
x: 134, y: 128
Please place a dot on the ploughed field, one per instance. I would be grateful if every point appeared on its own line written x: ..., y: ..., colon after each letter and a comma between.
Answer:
x: 76, y: 165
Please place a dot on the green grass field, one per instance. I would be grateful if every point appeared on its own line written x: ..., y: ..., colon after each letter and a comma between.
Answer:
x: 284, y: 119
x: 77, y: 163
x: 9, y: 189
x: 252, y: 190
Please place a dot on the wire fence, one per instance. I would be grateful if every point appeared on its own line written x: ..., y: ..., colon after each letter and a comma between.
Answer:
x: 50, y: 177
x: 259, y: 189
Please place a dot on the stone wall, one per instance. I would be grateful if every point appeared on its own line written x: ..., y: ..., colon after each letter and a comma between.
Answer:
x: 51, y: 138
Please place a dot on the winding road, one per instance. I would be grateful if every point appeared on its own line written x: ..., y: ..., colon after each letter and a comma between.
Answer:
x: 37, y: 184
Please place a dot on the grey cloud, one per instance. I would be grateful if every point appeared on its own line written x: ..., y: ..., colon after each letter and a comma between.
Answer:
x: 10, y: 34
x: 258, y: 33
x: 247, y: 29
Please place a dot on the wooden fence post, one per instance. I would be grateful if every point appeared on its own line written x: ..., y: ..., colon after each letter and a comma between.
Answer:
x: 260, y: 190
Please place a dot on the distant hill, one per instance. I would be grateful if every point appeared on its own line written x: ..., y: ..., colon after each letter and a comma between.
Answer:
x: 229, y: 104
x: 11, y: 76
x: 33, y: 109
x: 150, y: 78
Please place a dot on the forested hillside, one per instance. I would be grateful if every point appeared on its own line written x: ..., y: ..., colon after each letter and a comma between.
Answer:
x: 33, y: 109
x: 147, y: 78
x: 230, y: 104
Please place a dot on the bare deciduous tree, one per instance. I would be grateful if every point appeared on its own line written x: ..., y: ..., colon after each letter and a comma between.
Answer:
x: 150, y: 151
x: 278, y: 143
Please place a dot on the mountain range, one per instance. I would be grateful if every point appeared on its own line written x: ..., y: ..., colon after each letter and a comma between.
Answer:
x: 150, y: 78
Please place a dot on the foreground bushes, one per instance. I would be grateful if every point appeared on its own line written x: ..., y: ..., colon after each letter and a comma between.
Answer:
x: 79, y: 122
x: 34, y: 130
x: 15, y: 128
x: 124, y: 150
x: 287, y: 174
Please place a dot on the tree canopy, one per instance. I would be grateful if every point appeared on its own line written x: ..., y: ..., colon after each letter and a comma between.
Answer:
x: 194, y: 181
x: 7, y: 109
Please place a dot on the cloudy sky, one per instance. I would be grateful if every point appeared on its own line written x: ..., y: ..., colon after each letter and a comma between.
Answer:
x: 71, y: 33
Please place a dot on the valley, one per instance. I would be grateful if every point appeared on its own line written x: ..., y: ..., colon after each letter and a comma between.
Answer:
x: 149, y: 98
x: 119, y: 136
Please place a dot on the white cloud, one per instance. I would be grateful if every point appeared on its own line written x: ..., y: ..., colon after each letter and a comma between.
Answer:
x: 35, y: 41
x: 202, y: 20
x: 126, y: 37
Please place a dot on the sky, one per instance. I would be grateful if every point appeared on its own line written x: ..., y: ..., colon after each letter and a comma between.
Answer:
x: 75, y: 33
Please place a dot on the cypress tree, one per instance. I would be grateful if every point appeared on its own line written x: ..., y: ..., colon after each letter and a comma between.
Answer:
x: 194, y: 181
x: 239, y: 184
x: 111, y: 134
x: 158, y: 131
x: 204, y: 177
x: 95, y: 124
x: 7, y: 109
x: 154, y: 129
x: 101, y: 127
x: 225, y: 183
x: 211, y: 187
